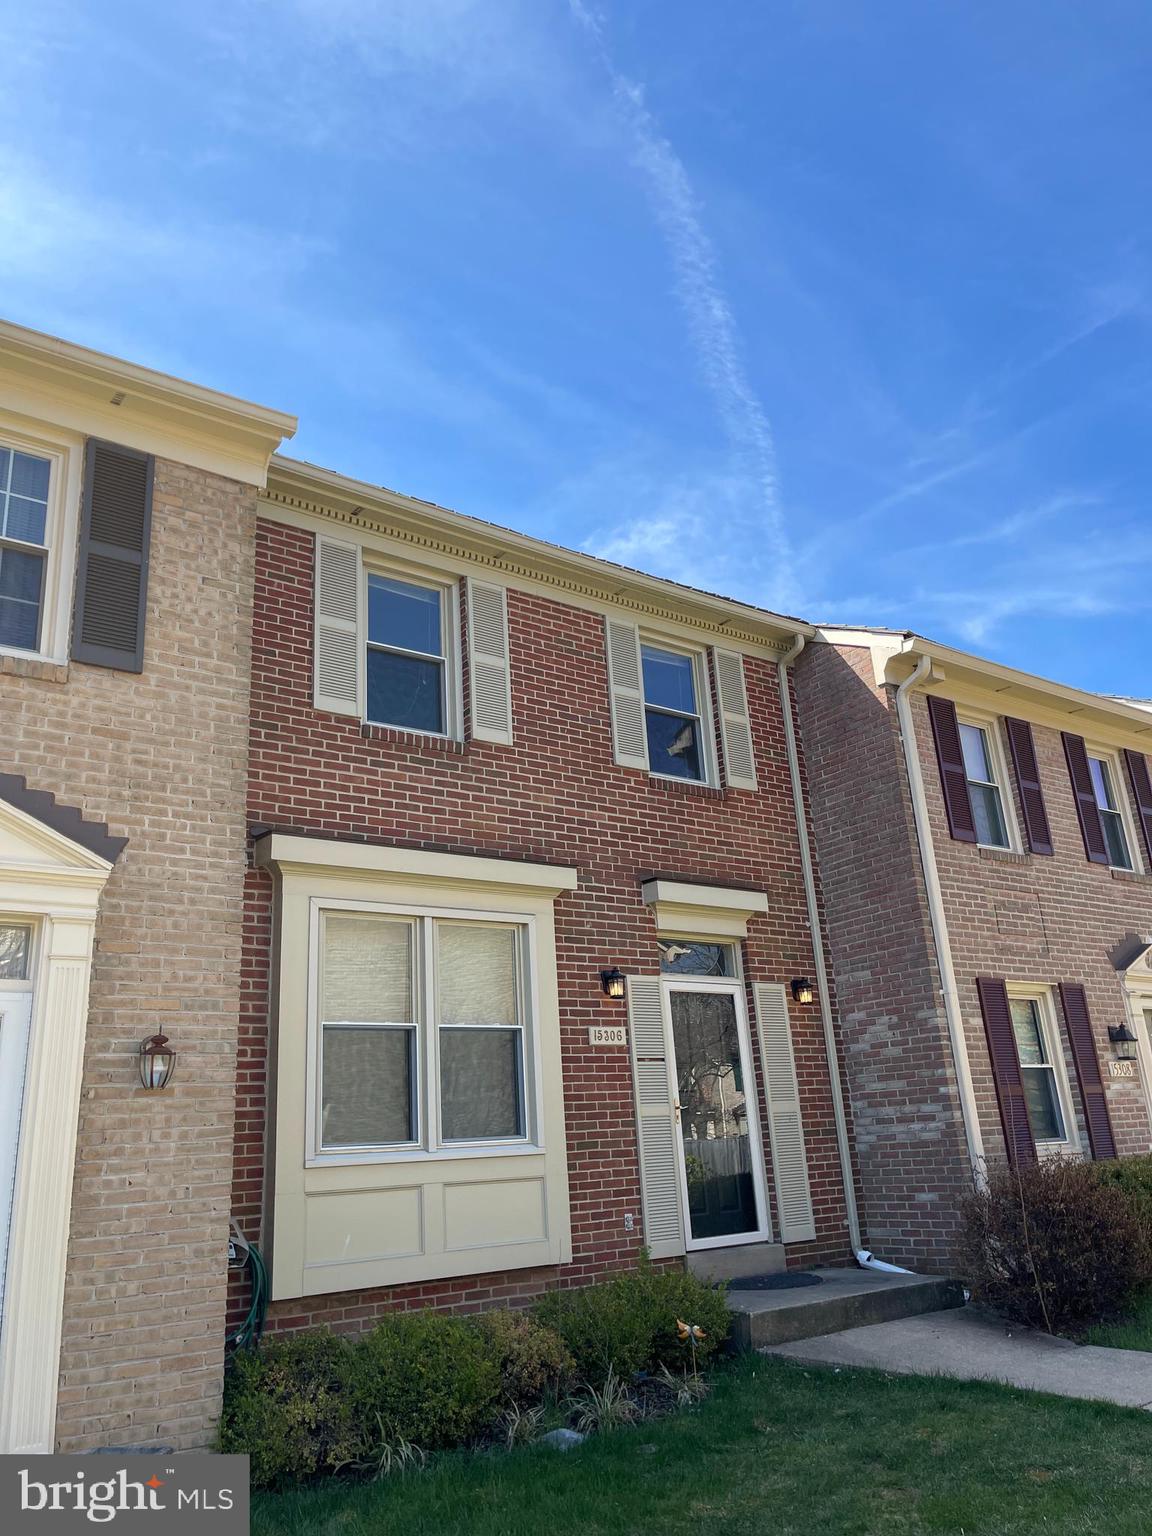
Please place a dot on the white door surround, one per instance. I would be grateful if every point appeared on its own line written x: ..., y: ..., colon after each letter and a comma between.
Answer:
x: 735, y: 990
x: 55, y: 883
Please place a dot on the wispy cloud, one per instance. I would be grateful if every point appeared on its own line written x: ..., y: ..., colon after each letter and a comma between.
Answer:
x: 711, y: 323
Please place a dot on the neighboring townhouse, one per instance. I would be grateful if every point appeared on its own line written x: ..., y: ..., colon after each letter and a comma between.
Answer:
x: 529, y: 980
x: 984, y: 840
x: 127, y: 533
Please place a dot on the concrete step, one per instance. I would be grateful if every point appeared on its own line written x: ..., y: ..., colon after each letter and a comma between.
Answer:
x: 736, y: 1264
x: 846, y: 1298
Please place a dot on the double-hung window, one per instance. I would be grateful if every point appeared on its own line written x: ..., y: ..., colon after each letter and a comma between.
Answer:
x: 983, y: 786
x: 1041, y: 1070
x: 672, y: 716
x: 25, y: 480
x: 423, y: 1033
x: 409, y: 628
x: 1111, y: 815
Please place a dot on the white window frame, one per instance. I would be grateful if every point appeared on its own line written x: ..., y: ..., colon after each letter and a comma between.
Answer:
x: 991, y: 726
x: 1045, y: 999
x: 65, y: 455
x: 449, y: 589
x: 1119, y: 788
x: 429, y: 1148
x: 704, y: 707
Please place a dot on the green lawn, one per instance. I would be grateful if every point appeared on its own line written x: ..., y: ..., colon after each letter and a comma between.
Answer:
x: 787, y: 1450
x: 1134, y: 1333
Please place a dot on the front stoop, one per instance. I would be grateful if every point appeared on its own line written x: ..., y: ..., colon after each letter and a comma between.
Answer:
x: 848, y: 1298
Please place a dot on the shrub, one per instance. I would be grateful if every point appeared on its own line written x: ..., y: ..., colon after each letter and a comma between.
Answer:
x: 628, y: 1323
x: 533, y: 1360
x: 424, y: 1377
x: 1055, y: 1246
x: 287, y: 1407
x: 1133, y: 1177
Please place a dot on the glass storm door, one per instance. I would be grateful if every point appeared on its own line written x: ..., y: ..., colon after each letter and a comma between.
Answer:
x: 723, y: 1163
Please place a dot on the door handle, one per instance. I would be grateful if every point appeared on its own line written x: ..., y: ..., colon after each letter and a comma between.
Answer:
x: 676, y: 1107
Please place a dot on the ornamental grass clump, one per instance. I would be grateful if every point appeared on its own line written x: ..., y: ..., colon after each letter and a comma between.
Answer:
x: 1055, y: 1246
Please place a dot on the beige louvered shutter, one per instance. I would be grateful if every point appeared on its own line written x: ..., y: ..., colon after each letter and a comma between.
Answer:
x: 655, y: 1119
x: 735, y: 726
x: 488, y: 662
x: 629, y: 738
x: 336, y: 662
x: 785, y: 1127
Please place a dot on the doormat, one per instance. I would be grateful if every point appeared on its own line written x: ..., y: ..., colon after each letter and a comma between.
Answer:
x: 790, y: 1280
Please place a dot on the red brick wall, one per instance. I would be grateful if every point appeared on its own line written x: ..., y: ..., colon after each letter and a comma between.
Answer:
x: 908, y: 1135
x: 1031, y: 918
x: 555, y: 796
x: 1022, y: 917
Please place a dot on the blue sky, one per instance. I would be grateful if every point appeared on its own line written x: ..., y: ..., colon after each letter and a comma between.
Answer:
x: 840, y: 308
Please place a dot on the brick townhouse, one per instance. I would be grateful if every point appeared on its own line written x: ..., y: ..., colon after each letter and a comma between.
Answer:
x: 985, y: 846
x: 529, y: 965
x: 502, y: 907
x: 127, y: 537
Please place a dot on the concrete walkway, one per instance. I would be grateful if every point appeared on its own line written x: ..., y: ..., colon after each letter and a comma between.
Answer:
x: 966, y: 1344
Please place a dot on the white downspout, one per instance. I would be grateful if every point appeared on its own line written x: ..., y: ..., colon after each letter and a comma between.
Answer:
x: 842, y: 1144
x: 922, y: 673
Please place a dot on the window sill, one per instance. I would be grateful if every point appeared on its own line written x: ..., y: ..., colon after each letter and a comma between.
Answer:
x: 686, y: 787
x: 426, y: 743
x: 418, y: 1155
x: 33, y: 666
x: 1002, y: 855
x: 1131, y: 876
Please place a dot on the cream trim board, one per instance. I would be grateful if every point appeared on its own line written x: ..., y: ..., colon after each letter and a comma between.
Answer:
x: 400, y: 1217
x: 582, y: 582
x: 101, y: 396
x: 291, y: 853
x: 993, y: 728
x: 49, y: 879
x: 65, y: 452
x: 704, y: 911
x: 1051, y: 1023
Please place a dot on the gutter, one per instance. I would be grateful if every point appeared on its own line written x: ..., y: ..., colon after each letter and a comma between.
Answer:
x: 921, y: 674
x: 843, y: 1146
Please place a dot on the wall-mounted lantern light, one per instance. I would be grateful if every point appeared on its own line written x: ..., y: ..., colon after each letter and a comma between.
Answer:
x: 157, y: 1062
x: 802, y: 989
x: 612, y: 983
x: 1124, y: 1041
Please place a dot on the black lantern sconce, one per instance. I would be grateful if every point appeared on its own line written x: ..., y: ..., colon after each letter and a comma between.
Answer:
x: 1124, y: 1041
x: 612, y: 983
x: 157, y: 1062
x: 802, y: 989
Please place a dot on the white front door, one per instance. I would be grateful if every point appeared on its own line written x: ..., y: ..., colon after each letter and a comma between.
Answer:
x: 15, y: 1022
x: 721, y: 1153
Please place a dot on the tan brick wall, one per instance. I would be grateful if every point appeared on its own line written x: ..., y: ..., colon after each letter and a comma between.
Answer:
x: 162, y: 758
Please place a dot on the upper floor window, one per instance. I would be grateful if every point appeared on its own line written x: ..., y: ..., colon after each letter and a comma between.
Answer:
x: 407, y: 682
x: 672, y: 718
x: 1111, y: 816
x: 983, y: 787
x: 25, y: 480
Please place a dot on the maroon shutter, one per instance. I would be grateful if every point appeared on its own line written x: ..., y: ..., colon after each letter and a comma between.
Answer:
x: 1006, y: 1070
x: 1079, y: 1027
x: 1028, y: 783
x: 1078, y: 770
x: 1141, y: 782
x: 953, y: 778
